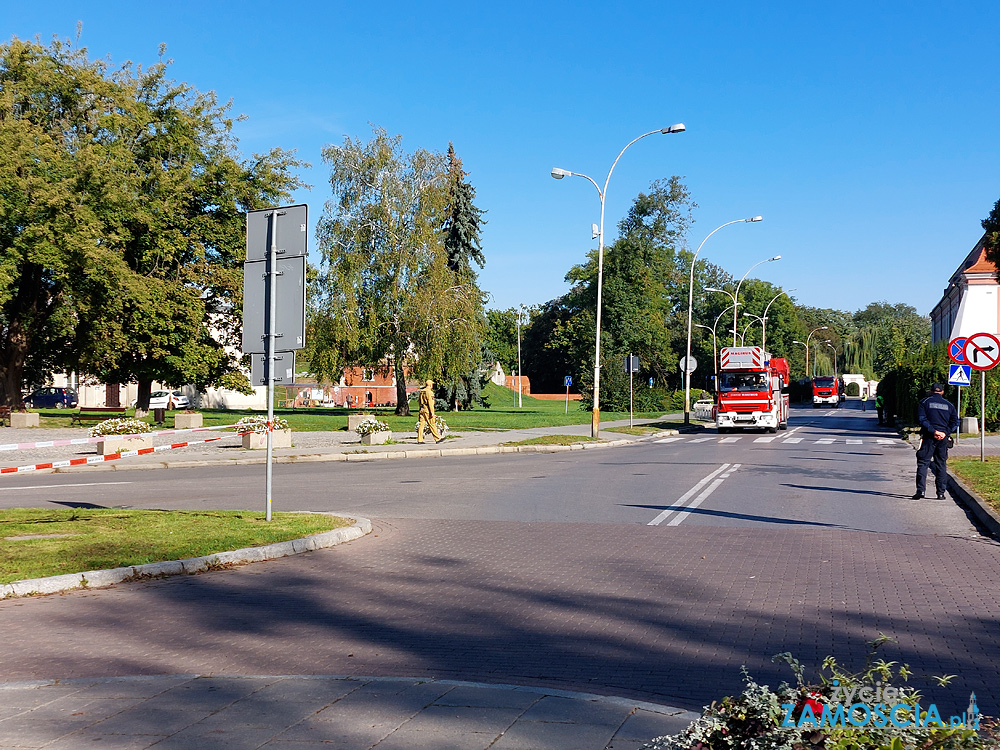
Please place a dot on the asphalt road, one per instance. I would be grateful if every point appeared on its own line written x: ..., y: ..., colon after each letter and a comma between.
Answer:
x: 654, y: 571
x: 833, y: 469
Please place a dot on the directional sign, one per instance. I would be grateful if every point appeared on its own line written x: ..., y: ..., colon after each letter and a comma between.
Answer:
x: 291, y: 232
x: 284, y: 368
x: 982, y: 351
x: 568, y: 381
x: 955, y: 348
x: 959, y: 374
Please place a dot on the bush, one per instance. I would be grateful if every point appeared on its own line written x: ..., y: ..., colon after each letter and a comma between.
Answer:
x: 782, y: 719
x: 120, y: 426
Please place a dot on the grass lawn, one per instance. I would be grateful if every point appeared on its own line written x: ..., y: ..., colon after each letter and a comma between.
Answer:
x: 983, y: 477
x: 503, y: 414
x: 39, y: 542
x: 556, y: 440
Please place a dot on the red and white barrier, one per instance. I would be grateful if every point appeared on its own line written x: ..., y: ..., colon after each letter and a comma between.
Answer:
x: 101, y: 459
x: 86, y: 440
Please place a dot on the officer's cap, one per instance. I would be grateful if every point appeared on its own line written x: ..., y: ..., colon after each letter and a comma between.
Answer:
x: 937, y: 388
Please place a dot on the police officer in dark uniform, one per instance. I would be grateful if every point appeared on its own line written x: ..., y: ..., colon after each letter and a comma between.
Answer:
x: 938, y: 419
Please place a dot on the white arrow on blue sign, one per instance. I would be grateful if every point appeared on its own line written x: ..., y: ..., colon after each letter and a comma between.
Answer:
x: 959, y: 374
x: 568, y: 381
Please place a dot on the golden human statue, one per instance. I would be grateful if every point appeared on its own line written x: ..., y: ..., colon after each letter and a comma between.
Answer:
x: 426, y: 418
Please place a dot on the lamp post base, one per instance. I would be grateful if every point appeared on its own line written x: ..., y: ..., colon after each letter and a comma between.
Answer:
x: 595, y: 422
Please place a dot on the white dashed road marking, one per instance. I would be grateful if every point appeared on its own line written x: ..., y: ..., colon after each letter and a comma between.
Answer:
x: 679, y: 505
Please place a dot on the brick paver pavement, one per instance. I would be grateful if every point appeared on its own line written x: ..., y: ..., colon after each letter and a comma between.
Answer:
x: 662, y: 614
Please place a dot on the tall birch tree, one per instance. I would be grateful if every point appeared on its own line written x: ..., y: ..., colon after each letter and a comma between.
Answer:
x: 375, y: 297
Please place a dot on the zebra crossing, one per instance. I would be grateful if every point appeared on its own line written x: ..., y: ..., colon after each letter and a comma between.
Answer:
x: 730, y: 439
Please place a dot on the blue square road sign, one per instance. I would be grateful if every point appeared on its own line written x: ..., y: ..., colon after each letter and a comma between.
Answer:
x: 959, y: 374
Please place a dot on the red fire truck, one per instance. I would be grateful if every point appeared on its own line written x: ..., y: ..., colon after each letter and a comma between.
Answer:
x: 826, y: 391
x: 751, y: 390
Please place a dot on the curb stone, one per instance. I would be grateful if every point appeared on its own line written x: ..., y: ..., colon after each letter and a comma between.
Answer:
x: 323, y: 456
x: 101, y: 578
x: 982, y: 510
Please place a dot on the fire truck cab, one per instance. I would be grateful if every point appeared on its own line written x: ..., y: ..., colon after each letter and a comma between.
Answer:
x: 752, y: 390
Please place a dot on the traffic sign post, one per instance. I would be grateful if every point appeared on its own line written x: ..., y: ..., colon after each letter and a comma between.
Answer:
x: 568, y: 381
x: 981, y: 351
x: 276, y: 249
x: 959, y: 375
x: 631, y: 367
x: 956, y: 348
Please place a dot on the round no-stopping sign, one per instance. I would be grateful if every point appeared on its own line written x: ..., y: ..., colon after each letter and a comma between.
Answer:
x: 955, y: 348
x: 982, y: 351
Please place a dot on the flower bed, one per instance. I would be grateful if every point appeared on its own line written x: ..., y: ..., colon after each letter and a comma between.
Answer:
x: 867, y: 710
x: 120, y: 426
x: 442, y: 426
x: 370, y: 425
x: 258, y: 424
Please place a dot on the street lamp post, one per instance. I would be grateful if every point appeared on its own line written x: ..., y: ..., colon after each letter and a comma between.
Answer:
x: 737, y: 295
x: 715, y: 351
x: 821, y: 328
x: 714, y: 355
x: 796, y: 341
x: 763, y: 323
x: 734, y: 305
x: 558, y: 174
x: 687, y: 372
x: 834, y: 357
x: 755, y: 317
x: 519, y: 311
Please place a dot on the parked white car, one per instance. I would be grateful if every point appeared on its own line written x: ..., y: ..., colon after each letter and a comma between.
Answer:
x: 168, y: 400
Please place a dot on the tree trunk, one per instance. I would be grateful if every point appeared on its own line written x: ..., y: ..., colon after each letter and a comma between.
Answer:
x: 10, y: 382
x: 142, y: 398
x: 402, y: 403
x: 14, y: 356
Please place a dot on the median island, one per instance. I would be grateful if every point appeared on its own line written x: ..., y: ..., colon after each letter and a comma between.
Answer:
x: 42, y: 542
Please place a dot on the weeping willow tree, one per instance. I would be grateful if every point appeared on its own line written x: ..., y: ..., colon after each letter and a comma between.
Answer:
x: 859, y: 352
x: 885, y: 335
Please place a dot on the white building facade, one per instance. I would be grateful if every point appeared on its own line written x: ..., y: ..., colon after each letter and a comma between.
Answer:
x: 971, y: 301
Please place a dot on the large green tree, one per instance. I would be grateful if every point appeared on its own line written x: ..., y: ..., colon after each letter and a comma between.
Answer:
x: 642, y: 278
x: 55, y: 195
x: 122, y: 228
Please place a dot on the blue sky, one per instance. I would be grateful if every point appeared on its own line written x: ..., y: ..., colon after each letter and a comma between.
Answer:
x: 865, y: 133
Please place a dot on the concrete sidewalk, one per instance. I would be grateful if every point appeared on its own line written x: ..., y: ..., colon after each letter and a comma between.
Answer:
x: 191, y: 712
x: 339, y: 445
x: 303, y: 712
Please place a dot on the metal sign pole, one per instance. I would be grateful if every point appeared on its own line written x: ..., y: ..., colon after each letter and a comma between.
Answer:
x: 630, y: 389
x: 272, y: 317
x: 958, y: 408
x: 982, y: 417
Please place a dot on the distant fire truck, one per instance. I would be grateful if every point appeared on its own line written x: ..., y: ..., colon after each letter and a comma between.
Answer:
x: 752, y: 390
x: 826, y: 391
